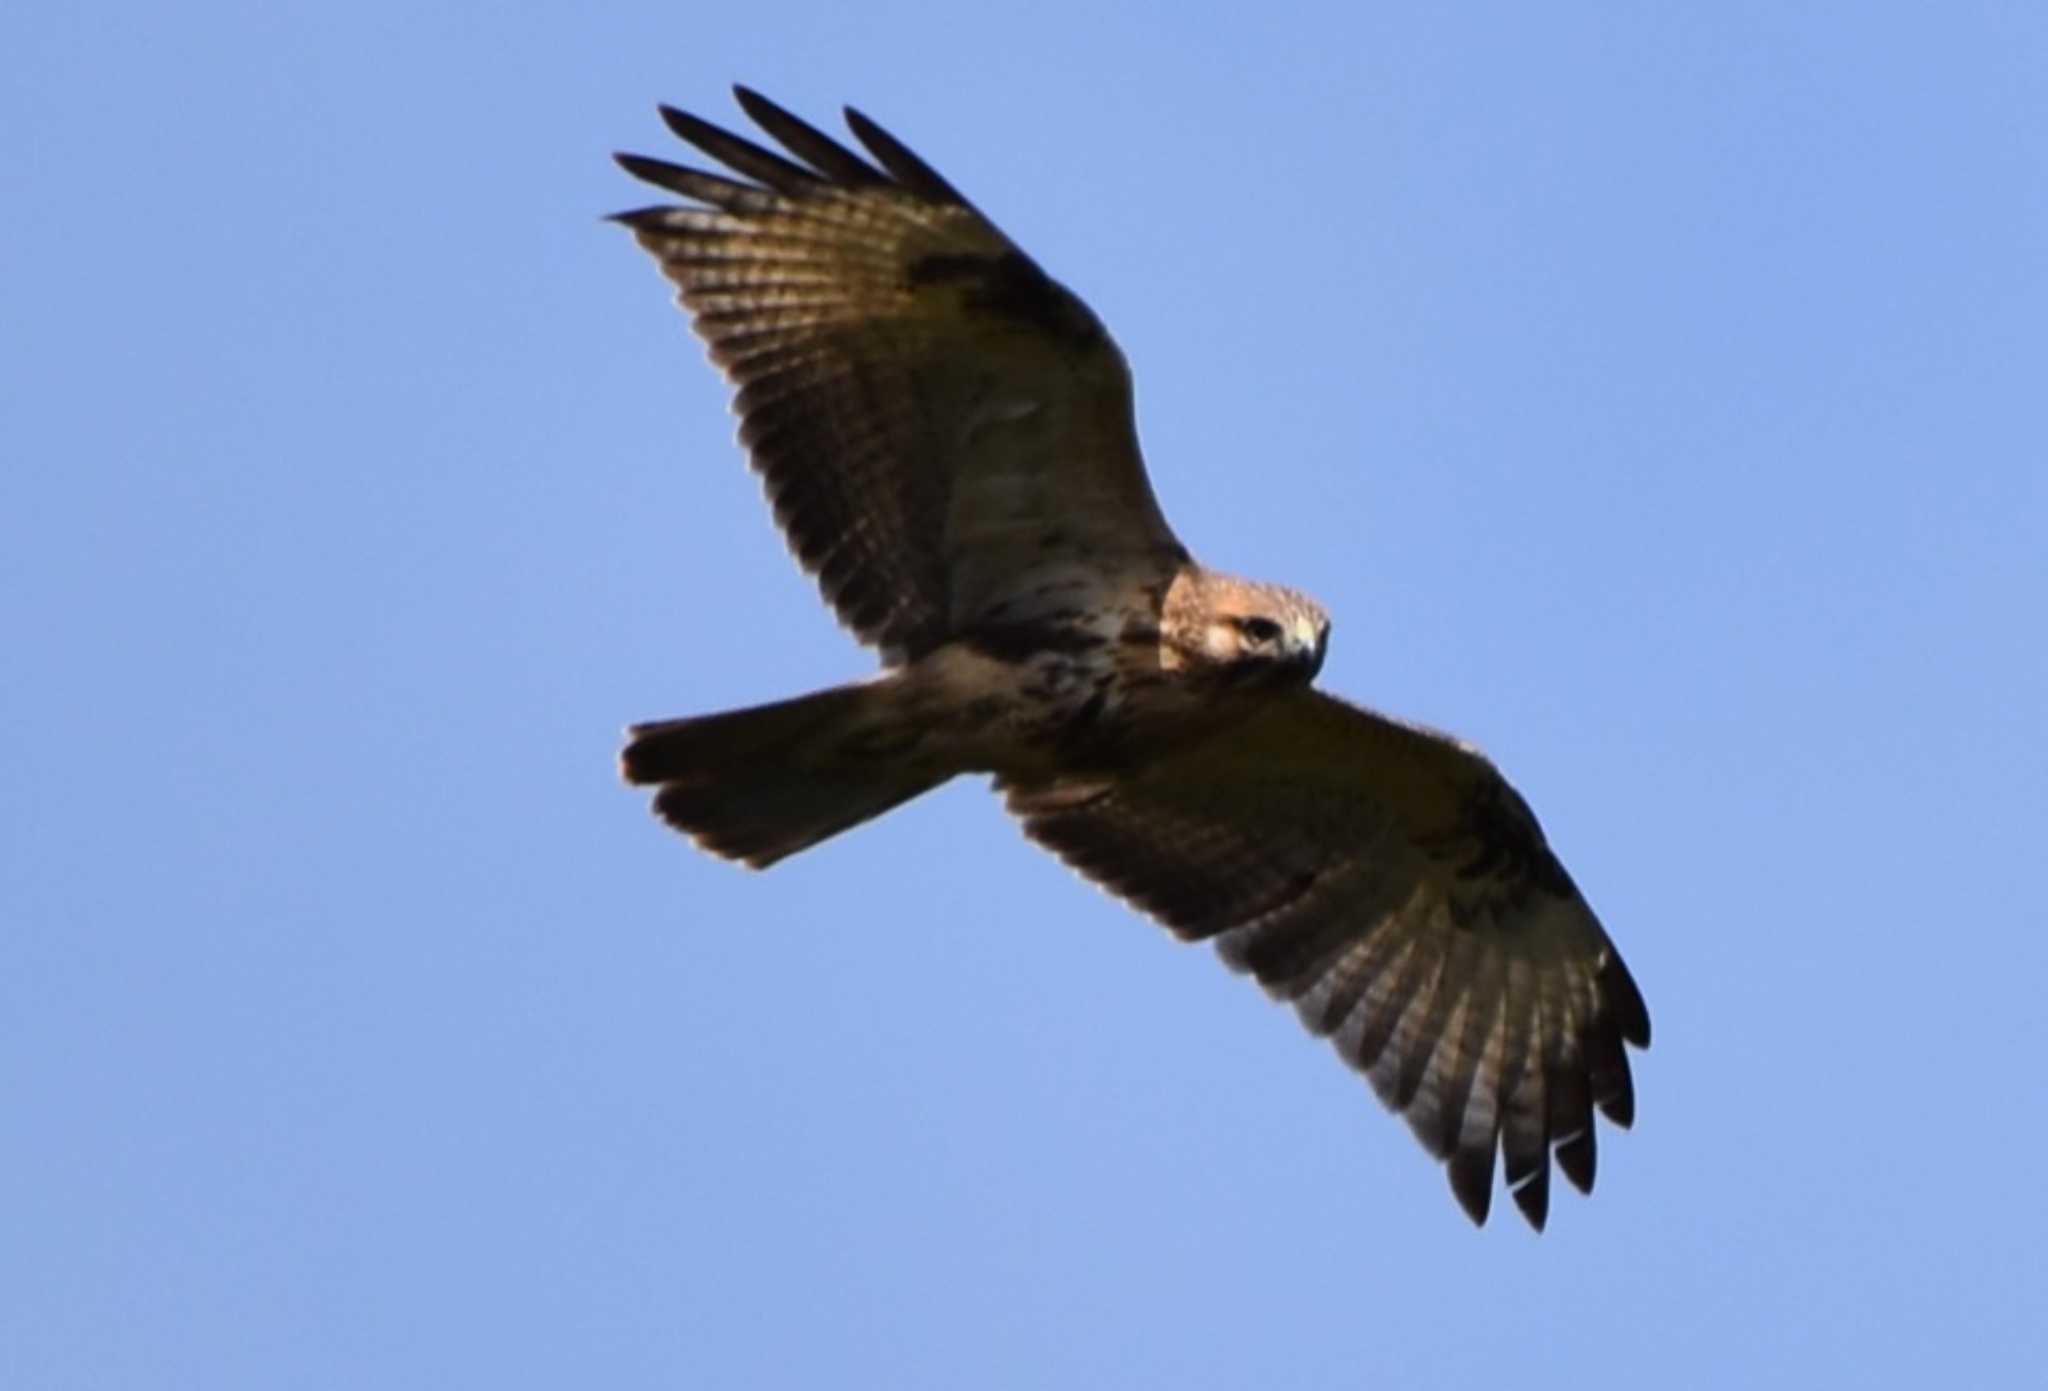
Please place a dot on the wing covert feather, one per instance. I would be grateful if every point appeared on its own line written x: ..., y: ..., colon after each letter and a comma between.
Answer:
x: 1389, y: 883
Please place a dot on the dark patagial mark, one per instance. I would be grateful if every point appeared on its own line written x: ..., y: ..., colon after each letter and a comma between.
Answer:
x: 1019, y: 642
x: 1011, y: 286
x: 1084, y: 721
x: 1497, y: 838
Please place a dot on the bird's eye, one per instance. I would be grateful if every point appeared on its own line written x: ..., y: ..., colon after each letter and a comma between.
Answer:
x: 1260, y: 630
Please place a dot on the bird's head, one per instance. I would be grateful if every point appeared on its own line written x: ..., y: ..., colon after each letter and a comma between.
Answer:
x: 1243, y: 632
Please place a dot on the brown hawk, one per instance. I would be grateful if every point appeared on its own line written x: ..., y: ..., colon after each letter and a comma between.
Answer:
x: 946, y: 437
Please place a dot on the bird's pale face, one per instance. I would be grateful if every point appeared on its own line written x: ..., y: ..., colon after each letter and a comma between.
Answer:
x: 1251, y: 633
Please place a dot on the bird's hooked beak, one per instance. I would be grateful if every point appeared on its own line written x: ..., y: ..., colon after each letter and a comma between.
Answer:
x: 1312, y: 640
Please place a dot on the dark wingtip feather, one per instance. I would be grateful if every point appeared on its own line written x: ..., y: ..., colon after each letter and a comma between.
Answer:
x: 636, y: 165
x: 714, y: 190
x: 642, y: 167
x: 690, y: 129
x: 1624, y: 1000
x: 1607, y: 1075
x: 728, y: 149
x: 1619, y: 1104
x: 1533, y: 1197
x: 659, y: 172
x: 640, y: 218
x: 1471, y: 1173
x: 910, y: 171
x: 806, y: 141
x: 1577, y: 1157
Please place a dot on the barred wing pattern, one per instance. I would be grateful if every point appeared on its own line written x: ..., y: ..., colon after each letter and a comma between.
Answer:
x: 1389, y: 883
x: 930, y: 413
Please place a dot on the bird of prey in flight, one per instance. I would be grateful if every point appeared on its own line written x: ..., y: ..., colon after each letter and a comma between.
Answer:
x: 945, y: 434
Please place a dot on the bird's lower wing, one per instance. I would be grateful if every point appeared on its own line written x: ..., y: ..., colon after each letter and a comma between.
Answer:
x: 1389, y: 883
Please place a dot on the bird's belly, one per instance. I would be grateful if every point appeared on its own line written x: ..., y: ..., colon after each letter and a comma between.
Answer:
x: 1035, y: 715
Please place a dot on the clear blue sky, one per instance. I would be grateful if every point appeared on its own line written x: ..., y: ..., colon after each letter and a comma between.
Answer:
x: 1655, y: 395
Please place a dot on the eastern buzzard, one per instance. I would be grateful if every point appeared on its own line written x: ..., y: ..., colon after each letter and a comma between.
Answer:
x: 945, y: 434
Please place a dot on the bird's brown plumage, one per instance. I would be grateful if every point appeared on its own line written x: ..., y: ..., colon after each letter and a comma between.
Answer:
x: 945, y: 435
x: 1390, y: 884
x: 929, y: 411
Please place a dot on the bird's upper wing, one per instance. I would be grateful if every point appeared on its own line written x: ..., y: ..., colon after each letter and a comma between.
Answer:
x: 1391, y: 884
x: 931, y: 414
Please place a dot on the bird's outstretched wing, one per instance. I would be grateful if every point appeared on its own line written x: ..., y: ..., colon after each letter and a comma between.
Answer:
x: 1389, y: 883
x: 930, y: 413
